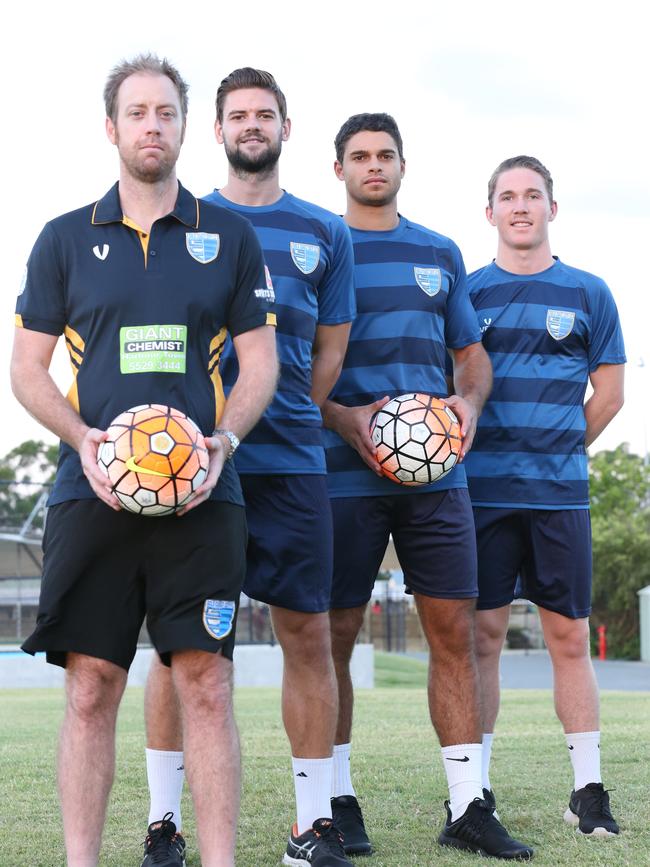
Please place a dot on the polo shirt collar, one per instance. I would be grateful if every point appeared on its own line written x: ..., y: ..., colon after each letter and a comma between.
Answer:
x: 109, y: 209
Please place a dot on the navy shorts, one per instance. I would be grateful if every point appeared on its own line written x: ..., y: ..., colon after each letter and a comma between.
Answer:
x: 434, y: 539
x: 289, y: 558
x: 104, y: 571
x: 548, y: 550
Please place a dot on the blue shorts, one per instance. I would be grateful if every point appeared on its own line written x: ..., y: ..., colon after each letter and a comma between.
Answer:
x: 548, y: 550
x: 434, y: 540
x: 289, y: 556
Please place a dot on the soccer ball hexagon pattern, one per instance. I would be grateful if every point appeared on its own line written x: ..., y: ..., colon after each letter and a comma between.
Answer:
x: 155, y: 458
x: 417, y: 439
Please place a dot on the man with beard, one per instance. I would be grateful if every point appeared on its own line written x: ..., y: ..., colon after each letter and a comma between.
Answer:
x: 147, y: 252
x: 413, y: 307
x: 282, y: 463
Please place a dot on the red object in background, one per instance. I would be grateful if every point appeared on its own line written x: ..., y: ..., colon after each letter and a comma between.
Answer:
x: 602, y: 642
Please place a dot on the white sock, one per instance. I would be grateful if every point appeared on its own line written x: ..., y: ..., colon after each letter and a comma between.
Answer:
x: 165, y: 774
x: 584, y: 752
x: 312, y: 779
x: 462, y: 764
x: 487, y: 756
x: 341, y: 779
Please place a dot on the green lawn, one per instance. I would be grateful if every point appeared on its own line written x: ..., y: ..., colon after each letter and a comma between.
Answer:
x: 397, y: 770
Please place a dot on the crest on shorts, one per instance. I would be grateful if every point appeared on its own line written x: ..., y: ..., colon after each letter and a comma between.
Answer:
x: 559, y: 323
x: 305, y: 256
x: 202, y: 246
x: 428, y: 279
x: 218, y: 617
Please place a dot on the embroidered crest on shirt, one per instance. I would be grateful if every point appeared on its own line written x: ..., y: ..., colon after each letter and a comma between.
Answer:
x: 218, y: 617
x: 559, y: 323
x: 203, y: 246
x: 428, y: 279
x: 305, y: 256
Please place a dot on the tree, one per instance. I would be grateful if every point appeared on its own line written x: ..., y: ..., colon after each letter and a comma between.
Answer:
x: 24, y: 474
x: 620, y: 513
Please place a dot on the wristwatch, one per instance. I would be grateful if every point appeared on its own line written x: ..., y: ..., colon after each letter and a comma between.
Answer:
x: 232, y: 438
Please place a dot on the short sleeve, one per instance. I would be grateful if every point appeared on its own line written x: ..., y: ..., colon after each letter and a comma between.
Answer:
x: 336, y: 296
x: 41, y: 303
x: 252, y: 301
x: 461, y: 324
x: 606, y: 344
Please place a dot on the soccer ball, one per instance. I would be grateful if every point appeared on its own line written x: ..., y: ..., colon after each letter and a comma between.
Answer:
x: 155, y: 458
x: 417, y: 438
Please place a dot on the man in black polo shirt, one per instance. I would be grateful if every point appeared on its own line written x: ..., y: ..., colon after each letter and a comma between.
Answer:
x: 116, y: 277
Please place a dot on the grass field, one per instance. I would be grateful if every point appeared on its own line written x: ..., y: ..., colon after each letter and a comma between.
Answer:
x: 397, y: 771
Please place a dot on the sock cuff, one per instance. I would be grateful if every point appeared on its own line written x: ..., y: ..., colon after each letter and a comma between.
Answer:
x: 171, y: 753
x: 311, y: 763
x: 342, y: 748
x: 461, y: 748
x: 583, y: 736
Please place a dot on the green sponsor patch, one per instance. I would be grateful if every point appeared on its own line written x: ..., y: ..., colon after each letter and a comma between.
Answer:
x: 153, y: 348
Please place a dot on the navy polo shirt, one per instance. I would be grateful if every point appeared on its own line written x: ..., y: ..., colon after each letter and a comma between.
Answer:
x: 145, y: 315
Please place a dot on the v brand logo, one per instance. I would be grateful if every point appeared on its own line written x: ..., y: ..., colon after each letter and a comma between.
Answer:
x: 103, y: 253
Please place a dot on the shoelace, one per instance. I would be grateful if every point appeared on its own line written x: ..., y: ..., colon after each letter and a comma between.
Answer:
x: 333, y: 837
x: 159, y: 839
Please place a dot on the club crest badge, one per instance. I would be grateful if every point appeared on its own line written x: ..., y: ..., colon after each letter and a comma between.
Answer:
x: 218, y: 617
x: 305, y: 256
x: 428, y: 279
x: 203, y: 246
x: 559, y: 323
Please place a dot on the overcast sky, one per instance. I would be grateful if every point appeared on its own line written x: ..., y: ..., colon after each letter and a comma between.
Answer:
x: 468, y: 83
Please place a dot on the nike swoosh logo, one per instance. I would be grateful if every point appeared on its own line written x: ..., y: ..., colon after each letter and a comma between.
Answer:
x: 570, y: 747
x: 136, y: 468
x: 464, y: 759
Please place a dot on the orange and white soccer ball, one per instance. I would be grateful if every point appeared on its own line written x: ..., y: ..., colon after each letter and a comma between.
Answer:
x: 155, y: 458
x: 417, y: 438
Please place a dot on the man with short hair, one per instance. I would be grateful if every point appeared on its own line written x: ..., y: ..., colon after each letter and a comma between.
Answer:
x: 282, y: 463
x: 550, y: 330
x: 147, y: 252
x: 413, y: 308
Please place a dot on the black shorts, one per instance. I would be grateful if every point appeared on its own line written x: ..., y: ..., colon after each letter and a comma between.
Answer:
x: 103, y: 571
x: 434, y: 539
x: 289, y: 561
x: 541, y: 555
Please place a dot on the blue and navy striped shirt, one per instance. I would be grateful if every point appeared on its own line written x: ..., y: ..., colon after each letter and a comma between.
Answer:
x: 412, y: 303
x: 545, y: 333
x: 309, y: 255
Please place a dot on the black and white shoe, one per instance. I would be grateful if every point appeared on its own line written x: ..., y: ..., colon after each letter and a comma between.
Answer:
x: 478, y: 831
x: 164, y: 846
x: 320, y: 846
x: 348, y: 818
x: 589, y: 810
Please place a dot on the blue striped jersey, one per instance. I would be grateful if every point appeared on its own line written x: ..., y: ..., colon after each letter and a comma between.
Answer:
x: 412, y: 303
x: 309, y: 255
x: 545, y: 333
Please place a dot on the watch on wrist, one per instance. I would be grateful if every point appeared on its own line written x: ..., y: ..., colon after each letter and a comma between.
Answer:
x: 232, y: 438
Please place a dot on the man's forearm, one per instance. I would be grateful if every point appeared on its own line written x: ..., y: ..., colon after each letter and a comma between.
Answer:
x: 473, y: 375
x: 255, y: 384
x: 35, y: 389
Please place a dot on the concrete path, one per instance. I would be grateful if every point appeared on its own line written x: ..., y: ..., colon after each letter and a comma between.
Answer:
x: 521, y: 669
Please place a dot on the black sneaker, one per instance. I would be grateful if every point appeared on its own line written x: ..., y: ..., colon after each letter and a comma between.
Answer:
x: 164, y: 846
x: 478, y: 831
x: 320, y: 846
x: 348, y: 818
x: 490, y: 799
x: 589, y: 810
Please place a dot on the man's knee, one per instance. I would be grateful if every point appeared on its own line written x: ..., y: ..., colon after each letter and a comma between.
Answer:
x: 203, y: 681
x: 491, y: 629
x: 94, y: 686
x: 304, y: 637
x: 565, y: 637
x: 345, y: 625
